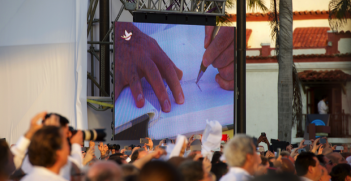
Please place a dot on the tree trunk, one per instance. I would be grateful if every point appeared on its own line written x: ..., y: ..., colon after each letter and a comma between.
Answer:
x: 285, y: 80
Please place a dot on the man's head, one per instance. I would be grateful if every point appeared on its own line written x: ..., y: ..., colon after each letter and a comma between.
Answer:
x: 325, y: 162
x: 192, y: 170
x: 341, y: 172
x: 159, y: 171
x: 6, y: 161
x: 176, y: 161
x: 241, y: 152
x: 286, y: 154
x: 48, y: 148
x: 287, y: 166
x: 325, y: 97
x: 104, y: 170
x: 129, y: 170
x: 336, y: 158
x: 63, y: 122
x: 219, y: 169
x: 307, y: 165
x: 325, y: 175
x: 137, y: 154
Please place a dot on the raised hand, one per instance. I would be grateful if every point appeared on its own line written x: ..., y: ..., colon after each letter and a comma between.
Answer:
x: 34, y: 126
x: 89, y: 155
x: 77, y: 138
x: 301, y: 144
x: 150, y: 144
x: 206, y: 164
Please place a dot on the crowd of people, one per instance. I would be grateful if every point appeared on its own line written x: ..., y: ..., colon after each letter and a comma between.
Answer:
x: 50, y: 151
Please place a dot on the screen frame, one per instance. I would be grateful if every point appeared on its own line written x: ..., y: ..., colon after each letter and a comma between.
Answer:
x: 113, y: 124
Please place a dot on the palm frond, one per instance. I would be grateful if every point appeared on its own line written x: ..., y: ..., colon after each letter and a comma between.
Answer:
x: 297, y: 100
x: 256, y: 4
x: 339, y: 11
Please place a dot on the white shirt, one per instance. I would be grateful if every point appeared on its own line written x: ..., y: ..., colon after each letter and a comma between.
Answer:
x: 42, y: 174
x: 305, y: 179
x: 236, y: 174
x: 322, y: 107
x: 20, y: 149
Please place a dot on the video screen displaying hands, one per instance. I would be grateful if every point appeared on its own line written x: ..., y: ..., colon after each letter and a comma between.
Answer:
x: 156, y: 68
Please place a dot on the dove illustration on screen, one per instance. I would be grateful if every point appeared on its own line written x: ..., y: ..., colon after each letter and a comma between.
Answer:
x: 127, y: 36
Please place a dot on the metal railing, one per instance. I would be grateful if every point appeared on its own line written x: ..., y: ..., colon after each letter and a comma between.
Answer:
x: 340, y: 125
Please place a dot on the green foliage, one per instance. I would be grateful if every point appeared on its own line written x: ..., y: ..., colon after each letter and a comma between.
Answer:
x: 339, y: 11
x: 252, y: 5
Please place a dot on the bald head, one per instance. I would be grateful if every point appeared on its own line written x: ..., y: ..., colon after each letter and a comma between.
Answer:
x: 104, y: 170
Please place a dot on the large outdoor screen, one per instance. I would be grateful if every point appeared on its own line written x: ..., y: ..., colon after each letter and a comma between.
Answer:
x: 155, y: 74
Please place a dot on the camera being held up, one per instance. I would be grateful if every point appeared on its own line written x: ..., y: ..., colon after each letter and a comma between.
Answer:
x: 93, y: 135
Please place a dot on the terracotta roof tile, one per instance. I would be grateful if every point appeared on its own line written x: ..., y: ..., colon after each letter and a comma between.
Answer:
x: 310, y: 37
x: 324, y: 75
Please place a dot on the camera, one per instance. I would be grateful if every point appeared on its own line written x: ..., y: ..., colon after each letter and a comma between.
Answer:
x: 93, y: 135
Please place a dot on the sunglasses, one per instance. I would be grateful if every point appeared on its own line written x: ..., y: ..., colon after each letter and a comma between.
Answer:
x: 330, y: 162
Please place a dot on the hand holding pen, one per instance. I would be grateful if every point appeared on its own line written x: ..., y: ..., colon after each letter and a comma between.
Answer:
x: 220, y: 54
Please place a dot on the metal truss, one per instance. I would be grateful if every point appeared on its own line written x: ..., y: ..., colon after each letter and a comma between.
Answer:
x: 197, y: 7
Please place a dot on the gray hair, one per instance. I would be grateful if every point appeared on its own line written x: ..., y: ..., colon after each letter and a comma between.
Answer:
x: 236, y: 149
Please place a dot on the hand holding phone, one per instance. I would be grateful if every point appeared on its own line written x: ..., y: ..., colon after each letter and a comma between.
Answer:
x: 144, y: 140
x: 323, y: 141
x: 198, y: 137
x: 128, y: 152
x: 301, y: 150
x: 339, y: 148
x: 307, y: 142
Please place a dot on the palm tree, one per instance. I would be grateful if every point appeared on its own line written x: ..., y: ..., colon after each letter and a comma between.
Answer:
x: 289, y: 97
x: 339, y: 11
x: 251, y: 5
x: 285, y: 74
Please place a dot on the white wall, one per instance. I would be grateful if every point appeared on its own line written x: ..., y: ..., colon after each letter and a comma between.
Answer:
x: 344, y: 45
x: 262, y: 100
x: 252, y: 52
x: 305, y: 51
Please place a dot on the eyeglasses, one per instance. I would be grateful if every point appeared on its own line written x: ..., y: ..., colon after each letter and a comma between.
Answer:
x: 330, y: 162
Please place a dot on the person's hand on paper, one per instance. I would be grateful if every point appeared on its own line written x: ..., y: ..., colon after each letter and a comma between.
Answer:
x: 220, y: 53
x: 139, y: 57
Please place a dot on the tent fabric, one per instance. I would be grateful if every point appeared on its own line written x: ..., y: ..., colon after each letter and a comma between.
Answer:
x: 43, y: 56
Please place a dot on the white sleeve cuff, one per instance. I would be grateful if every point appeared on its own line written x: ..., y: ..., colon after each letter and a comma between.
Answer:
x: 76, y: 148
x: 22, y: 144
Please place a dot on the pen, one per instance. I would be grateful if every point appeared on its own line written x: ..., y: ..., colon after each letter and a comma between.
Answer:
x: 202, y: 67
